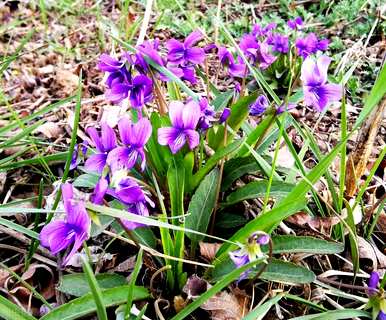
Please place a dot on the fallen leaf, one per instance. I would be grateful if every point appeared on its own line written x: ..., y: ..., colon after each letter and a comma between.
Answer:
x: 195, y: 286
x: 302, y: 218
x: 67, y: 80
x: 209, y: 250
x: 224, y: 306
x: 51, y: 130
x: 127, y: 265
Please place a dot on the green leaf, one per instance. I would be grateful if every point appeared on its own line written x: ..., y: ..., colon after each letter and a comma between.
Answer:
x: 287, y: 272
x: 229, y: 220
x: 76, y: 284
x: 58, y: 157
x: 202, y: 205
x: 236, y: 168
x: 222, y: 100
x: 95, y: 290
x: 213, y: 160
x: 256, y: 135
x: 133, y: 278
x: 335, y: 315
x: 259, y: 312
x: 176, y: 183
x: 25, y: 132
x: 303, y: 244
x: 10, y: 311
x: 240, y: 111
x: 258, y: 189
x: 19, y: 228
x: 85, y: 305
x: 87, y: 180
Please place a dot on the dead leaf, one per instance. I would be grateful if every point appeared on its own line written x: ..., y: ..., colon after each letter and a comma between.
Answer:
x: 3, y: 178
x: 126, y: 265
x: 224, y: 306
x: 209, y: 250
x: 302, y: 218
x: 67, y: 80
x: 285, y: 158
x: 51, y: 130
x: 42, y: 275
x: 179, y: 303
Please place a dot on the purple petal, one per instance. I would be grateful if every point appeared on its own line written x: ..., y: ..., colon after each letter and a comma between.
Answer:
x: 190, y: 115
x: 226, y: 58
x: 96, y: 162
x: 189, y: 74
x: 176, y: 51
x: 93, y: 133
x: 99, y: 191
x: 173, y: 137
x: 224, y: 115
x: 193, y: 138
x: 122, y: 157
x: 124, y: 127
x: 67, y: 195
x: 118, y: 92
x: 374, y: 280
x: 79, y: 239
x: 195, y: 55
x: 381, y: 315
x: 78, y: 218
x: 333, y: 91
x: 309, y: 72
x: 141, y: 132
x: 193, y: 38
x: 239, y: 258
x: 263, y: 239
x: 108, y: 63
x: 322, y: 64
x: 323, y: 45
x: 108, y: 137
x: 131, y: 225
x: 54, y: 235
x: 176, y: 109
x: 130, y: 195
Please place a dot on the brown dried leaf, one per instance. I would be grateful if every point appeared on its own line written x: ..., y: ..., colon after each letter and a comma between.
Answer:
x: 195, y: 286
x: 50, y: 130
x: 67, y: 80
x: 224, y: 306
x: 126, y: 265
x: 209, y: 250
x: 302, y: 218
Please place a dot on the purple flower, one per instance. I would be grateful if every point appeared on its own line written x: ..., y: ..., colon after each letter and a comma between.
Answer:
x: 224, y: 115
x: 285, y: 107
x: 109, y: 64
x: 189, y: 74
x: 184, y: 119
x: 295, y: 23
x: 249, y: 252
x: 149, y: 49
x: 307, y: 46
x: 250, y: 47
x: 80, y: 150
x: 373, y: 283
x: 185, y: 52
x: 226, y: 58
x: 104, y: 143
x: 131, y: 195
x: 99, y: 191
x: 264, y: 58
x: 323, y: 45
x: 141, y: 91
x: 259, y: 106
x: 238, y: 70
x: 206, y: 116
x: 60, y: 234
x: 134, y: 137
x: 317, y: 92
x: 279, y: 43
x: 257, y: 30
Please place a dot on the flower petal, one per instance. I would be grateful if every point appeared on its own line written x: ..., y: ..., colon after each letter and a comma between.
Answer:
x: 79, y: 239
x: 124, y: 127
x: 67, y: 195
x: 195, y: 55
x: 108, y: 137
x: 193, y: 38
x: 176, y: 109
x: 54, y: 235
x: 193, y: 138
x: 99, y: 191
x: 96, y: 162
x: 191, y: 114
x: 78, y: 218
x: 141, y: 133
x: 93, y: 133
x: 122, y: 157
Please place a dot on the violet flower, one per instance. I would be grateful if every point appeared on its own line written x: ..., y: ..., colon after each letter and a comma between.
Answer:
x: 185, y: 52
x: 317, y: 92
x: 141, y: 91
x: 58, y: 235
x: 134, y: 137
x: 104, y: 143
x: 377, y: 302
x: 109, y: 64
x: 149, y: 49
x: 224, y: 115
x: 259, y: 106
x: 279, y: 43
x: 225, y: 57
x: 131, y: 195
x: 295, y: 23
x: 250, y: 47
x: 184, y: 119
x: 206, y: 116
x: 249, y: 252
x: 99, y: 191
x: 310, y: 45
x: 238, y: 70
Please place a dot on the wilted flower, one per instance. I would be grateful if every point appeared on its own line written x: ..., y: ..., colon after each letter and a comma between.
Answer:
x: 259, y: 106
x: 184, y: 120
x: 317, y: 92
x: 185, y: 52
x: 295, y: 23
x: 60, y: 234
x: 249, y: 252
x: 134, y: 137
x: 104, y: 143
